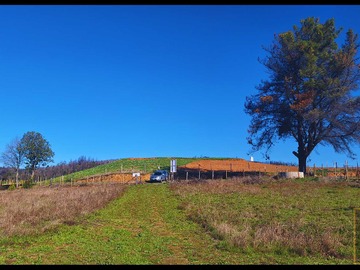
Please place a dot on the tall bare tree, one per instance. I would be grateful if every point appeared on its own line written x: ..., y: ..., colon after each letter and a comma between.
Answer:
x: 309, y: 95
x: 13, y: 157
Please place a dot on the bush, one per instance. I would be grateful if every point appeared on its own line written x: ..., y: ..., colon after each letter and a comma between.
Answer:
x: 12, y: 187
x: 27, y: 184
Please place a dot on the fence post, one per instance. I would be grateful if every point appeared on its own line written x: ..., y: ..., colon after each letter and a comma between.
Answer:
x: 335, y: 170
x: 199, y: 171
x: 346, y: 170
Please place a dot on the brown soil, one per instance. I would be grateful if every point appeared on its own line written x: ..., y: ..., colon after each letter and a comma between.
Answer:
x: 242, y: 165
x: 237, y: 165
x: 115, y: 177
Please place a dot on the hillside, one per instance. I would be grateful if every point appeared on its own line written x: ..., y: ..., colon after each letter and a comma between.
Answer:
x: 129, y: 165
x: 147, y: 165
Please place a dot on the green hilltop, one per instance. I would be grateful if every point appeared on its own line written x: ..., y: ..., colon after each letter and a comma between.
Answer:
x: 128, y: 165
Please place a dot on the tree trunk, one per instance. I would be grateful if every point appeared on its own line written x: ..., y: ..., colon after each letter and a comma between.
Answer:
x: 17, y: 178
x: 32, y: 175
x: 302, y: 156
x: 302, y: 163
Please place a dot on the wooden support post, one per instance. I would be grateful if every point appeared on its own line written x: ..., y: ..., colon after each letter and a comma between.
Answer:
x: 199, y: 171
x: 346, y: 170
x: 335, y: 170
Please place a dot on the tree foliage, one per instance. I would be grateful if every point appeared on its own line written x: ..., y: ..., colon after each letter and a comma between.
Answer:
x: 37, y: 151
x: 309, y: 95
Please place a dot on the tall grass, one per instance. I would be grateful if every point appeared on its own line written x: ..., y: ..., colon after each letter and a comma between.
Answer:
x: 287, y: 217
x: 30, y: 211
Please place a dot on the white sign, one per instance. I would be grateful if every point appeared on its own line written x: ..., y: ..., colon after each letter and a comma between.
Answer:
x: 173, y: 165
x: 136, y: 174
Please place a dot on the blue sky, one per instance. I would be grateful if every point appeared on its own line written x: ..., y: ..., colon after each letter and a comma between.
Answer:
x: 118, y: 81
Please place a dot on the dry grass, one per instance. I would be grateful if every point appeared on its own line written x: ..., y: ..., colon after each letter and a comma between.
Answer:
x: 236, y: 185
x: 301, y: 218
x: 35, y: 210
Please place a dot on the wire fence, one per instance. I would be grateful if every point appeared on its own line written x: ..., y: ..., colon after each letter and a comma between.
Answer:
x: 232, y: 170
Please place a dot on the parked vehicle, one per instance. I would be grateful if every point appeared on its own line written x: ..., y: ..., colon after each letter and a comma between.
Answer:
x: 159, y: 176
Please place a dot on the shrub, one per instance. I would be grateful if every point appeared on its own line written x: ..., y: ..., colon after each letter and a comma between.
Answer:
x: 27, y: 184
x: 12, y: 187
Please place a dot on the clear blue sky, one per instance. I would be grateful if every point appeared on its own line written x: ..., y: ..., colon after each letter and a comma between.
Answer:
x: 118, y: 81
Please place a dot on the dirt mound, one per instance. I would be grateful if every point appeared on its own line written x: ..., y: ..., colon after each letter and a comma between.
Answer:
x: 237, y: 165
x: 115, y: 177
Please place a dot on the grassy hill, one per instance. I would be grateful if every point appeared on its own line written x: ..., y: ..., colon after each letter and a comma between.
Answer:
x: 143, y: 165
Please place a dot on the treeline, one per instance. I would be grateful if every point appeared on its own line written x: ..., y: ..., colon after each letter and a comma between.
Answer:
x: 62, y: 168
x: 282, y: 163
x: 278, y: 163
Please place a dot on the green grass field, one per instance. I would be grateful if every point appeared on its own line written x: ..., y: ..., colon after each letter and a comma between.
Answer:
x: 144, y: 226
x: 202, y: 222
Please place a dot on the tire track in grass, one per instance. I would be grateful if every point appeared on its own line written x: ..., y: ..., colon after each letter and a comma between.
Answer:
x: 143, y: 226
x: 150, y: 212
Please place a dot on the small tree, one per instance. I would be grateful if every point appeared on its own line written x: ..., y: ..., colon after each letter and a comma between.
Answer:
x: 309, y: 94
x: 13, y: 157
x: 37, y: 151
